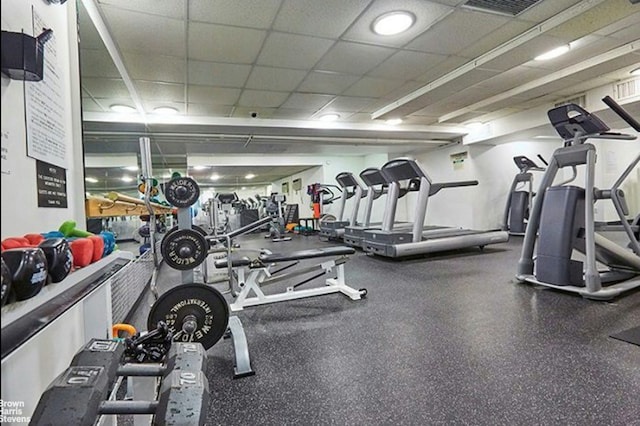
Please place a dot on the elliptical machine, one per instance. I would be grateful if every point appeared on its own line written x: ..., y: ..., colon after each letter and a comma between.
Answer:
x: 275, y: 208
x: 516, y: 212
x: 563, y: 218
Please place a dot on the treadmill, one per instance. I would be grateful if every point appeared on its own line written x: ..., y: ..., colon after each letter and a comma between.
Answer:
x: 334, y: 230
x: 391, y: 242
x: 377, y: 185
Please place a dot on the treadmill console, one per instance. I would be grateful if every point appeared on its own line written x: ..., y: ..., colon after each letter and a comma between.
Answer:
x: 568, y: 120
x: 347, y: 180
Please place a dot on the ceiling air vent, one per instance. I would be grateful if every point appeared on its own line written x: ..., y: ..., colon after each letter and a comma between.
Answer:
x: 578, y: 100
x: 627, y: 89
x: 505, y: 7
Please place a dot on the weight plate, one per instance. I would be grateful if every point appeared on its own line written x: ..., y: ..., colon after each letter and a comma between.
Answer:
x: 200, y: 303
x: 182, y: 192
x: 184, y: 249
x: 198, y: 228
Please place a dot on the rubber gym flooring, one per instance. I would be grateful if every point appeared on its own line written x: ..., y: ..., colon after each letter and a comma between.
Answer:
x: 446, y: 339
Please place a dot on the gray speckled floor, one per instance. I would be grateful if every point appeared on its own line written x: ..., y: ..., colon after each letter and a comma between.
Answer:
x: 445, y: 339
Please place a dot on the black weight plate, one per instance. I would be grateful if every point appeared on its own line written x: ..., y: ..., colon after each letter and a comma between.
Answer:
x: 182, y: 192
x: 205, y: 303
x: 184, y: 249
x: 198, y: 228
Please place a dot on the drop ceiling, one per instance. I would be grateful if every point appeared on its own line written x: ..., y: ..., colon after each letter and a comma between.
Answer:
x: 291, y: 61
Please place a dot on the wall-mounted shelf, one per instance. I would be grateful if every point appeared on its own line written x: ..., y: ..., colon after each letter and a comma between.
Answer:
x: 120, y: 205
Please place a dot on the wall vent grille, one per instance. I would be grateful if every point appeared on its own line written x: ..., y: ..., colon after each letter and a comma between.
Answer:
x: 627, y: 89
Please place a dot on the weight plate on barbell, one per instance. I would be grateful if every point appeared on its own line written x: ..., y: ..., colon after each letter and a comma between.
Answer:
x: 184, y: 249
x: 182, y: 192
x: 203, y: 307
x: 174, y: 229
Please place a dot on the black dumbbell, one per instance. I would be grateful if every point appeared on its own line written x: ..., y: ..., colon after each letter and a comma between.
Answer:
x: 59, y: 258
x: 6, y: 282
x: 78, y: 395
x: 28, y: 267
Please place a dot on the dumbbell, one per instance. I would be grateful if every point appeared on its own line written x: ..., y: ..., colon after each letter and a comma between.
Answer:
x: 6, y: 282
x: 59, y: 258
x: 28, y: 269
x: 78, y: 395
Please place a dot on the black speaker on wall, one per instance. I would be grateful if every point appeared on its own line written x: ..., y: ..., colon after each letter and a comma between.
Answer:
x: 23, y: 55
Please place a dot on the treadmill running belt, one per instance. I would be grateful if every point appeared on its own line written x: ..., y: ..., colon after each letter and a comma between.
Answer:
x: 630, y: 336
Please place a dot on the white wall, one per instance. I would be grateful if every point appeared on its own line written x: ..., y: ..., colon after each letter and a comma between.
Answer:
x: 19, y: 191
x: 481, y: 206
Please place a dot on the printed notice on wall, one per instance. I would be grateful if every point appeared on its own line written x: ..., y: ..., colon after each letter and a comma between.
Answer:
x: 45, y: 106
x: 458, y: 160
x: 52, y: 185
x: 5, y: 153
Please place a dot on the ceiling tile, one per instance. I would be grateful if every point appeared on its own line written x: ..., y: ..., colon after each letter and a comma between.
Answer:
x: 426, y: 14
x: 545, y: 10
x: 350, y: 103
x: 97, y: 63
x: 318, y: 18
x: 138, y: 32
x: 407, y: 65
x: 353, y: 58
x: 209, y: 110
x: 512, y: 78
x: 168, y: 8
x: 457, y: 31
x: 373, y: 87
x: 495, y: 38
x: 594, y: 19
x: 613, y: 30
x: 442, y: 68
x: 107, y: 101
x: 327, y: 82
x: 89, y: 104
x: 209, y: 42
x: 262, y: 99
x: 245, y: 112
x: 105, y: 87
x: 292, y: 114
x: 213, y: 95
x: 214, y: 74
x: 241, y: 13
x: 292, y: 51
x: 167, y: 69
x: 156, y: 91
x: 277, y: 79
x: 307, y: 101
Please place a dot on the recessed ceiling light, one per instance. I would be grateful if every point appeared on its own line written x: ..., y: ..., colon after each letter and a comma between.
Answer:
x: 131, y: 168
x: 243, y: 188
x: 393, y: 23
x: 126, y: 179
x: 91, y: 180
x: 558, y: 51
x: 250, y: 176
x: 200, y: 167
x: 394, y: 121
x: 635, y: 72
x: 165, y: 110
x: 215, y: 176
x: 329, y: 117
x: 122, y: 108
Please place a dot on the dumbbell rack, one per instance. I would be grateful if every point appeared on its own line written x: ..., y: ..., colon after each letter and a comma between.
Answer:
x: 235, y: 329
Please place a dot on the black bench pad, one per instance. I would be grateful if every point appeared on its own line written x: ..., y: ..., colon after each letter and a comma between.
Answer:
x: 235, y: 262
x: 307, y: 254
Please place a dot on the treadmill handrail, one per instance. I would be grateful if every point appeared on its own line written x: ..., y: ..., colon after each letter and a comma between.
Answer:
x: 436, y: 187
x: 617, y: 108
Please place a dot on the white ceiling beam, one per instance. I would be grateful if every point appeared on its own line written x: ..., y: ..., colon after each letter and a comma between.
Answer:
x: 103, y: 30
x: 551, y: 23
x: 566, y: 72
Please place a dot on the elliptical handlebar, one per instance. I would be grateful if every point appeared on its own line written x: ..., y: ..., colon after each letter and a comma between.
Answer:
x: 622, y: 113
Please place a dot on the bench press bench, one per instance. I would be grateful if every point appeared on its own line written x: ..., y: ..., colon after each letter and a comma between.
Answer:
x: 252, y: 274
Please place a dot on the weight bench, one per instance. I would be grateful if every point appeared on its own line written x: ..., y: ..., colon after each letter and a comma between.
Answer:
x: 260, y: 275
